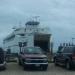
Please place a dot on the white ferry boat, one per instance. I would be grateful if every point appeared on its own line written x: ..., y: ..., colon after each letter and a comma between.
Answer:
x: 30, y: 35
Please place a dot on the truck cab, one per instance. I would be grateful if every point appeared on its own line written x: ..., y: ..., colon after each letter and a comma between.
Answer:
x: 33, y: 57
x: 2, y: 59
x: 65, y: 57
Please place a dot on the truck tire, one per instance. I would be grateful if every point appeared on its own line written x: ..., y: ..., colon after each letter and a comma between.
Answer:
x: 55, y: 62
x: 68, y: 65
x: 4, y: 68
x: 24, y: 67
x: 44, y: 68
x: 19, y: 62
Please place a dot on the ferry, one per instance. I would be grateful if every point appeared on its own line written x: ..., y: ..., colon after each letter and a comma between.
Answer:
x: 29, y: 35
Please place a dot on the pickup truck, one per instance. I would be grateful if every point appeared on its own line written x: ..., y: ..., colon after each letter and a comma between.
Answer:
x: 33, y: 57
x: 2, y: 59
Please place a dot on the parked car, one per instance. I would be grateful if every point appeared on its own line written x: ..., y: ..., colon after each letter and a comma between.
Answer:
x: 33, y: 57
x: 2, y: 59
x: 65, y: 57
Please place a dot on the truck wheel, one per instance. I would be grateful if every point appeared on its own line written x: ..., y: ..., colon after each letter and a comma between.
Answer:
x: 24, y: 67
x: 3, y: 68
x: 55, y: 62
x: 19, y: 63
x: 68, y: 65
x: 44, y: 68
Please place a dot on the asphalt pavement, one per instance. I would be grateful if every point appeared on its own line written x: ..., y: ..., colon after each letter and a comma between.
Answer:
x: 15, y: 69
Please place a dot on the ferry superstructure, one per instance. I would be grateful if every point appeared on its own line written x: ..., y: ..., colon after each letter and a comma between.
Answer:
x: 30, y: 35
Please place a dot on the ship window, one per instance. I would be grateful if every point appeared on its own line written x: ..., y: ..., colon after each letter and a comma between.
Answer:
x: 25, y: 30
x: 22, y: 34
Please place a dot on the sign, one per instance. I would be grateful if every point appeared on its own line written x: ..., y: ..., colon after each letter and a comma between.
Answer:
x: 22, y: 44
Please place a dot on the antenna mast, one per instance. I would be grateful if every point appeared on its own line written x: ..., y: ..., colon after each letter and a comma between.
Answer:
x: 36, y: 18
x: 20, y: 23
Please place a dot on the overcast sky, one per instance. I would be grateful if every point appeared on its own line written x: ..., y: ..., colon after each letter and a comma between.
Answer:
x: 59, y: 15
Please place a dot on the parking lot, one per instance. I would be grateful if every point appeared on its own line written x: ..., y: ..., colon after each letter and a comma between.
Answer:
x: 14, y: 69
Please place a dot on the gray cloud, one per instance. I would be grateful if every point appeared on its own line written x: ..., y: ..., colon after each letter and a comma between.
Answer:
x: 59, y: 15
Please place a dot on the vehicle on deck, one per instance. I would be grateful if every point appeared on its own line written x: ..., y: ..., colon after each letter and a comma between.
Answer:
x: 33, y: 57
x: 65, y: 57
x: 2, y: 59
